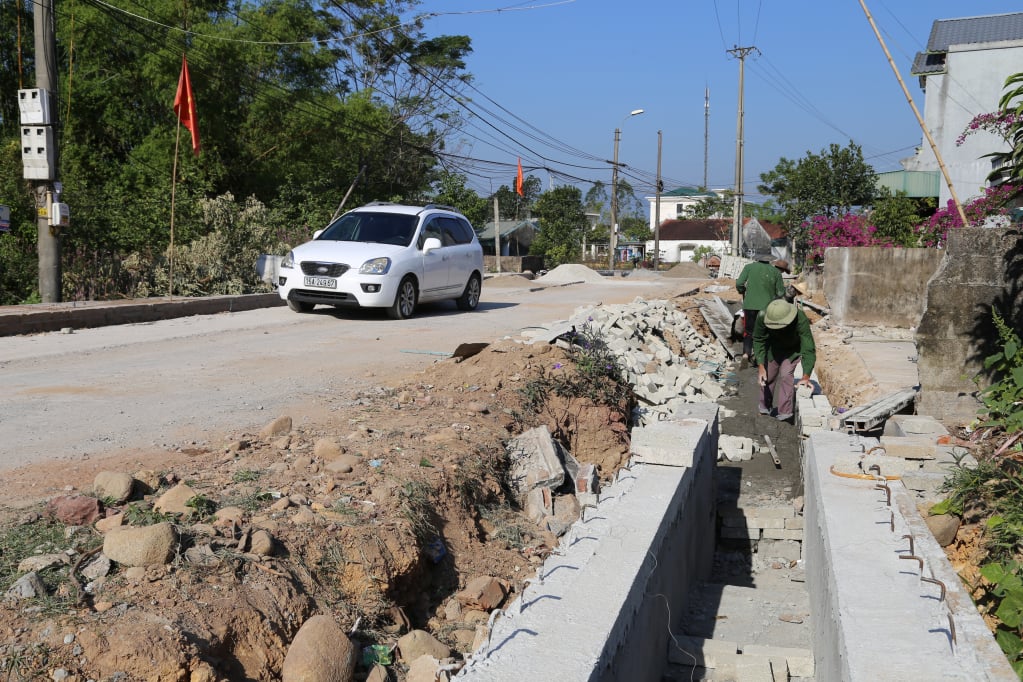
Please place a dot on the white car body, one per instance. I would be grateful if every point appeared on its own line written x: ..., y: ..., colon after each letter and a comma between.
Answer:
x: 386, y: 256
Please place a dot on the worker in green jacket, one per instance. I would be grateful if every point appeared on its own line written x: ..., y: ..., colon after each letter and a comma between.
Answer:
x: 759, y: 283
x: 781, y: 338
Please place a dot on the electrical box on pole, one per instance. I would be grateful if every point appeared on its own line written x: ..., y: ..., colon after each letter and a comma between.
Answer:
x: 34, y: 105
x: 38, y: 153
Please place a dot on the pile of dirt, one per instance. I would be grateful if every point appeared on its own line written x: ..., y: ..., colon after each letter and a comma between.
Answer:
x: 376, y: 517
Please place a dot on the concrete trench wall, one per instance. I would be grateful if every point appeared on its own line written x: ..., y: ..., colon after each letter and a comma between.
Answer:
x: 876, y: 619
x: 603, y: 609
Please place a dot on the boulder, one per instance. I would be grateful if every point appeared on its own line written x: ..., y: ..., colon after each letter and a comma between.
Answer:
x: 419, y: 643
x: 145, y: 546
x: 74, y: 510
x: 320, y: 652
x: 114, y: 485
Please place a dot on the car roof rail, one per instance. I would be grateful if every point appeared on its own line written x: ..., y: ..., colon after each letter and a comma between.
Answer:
x: 444, y: 207
x: 380, y: 203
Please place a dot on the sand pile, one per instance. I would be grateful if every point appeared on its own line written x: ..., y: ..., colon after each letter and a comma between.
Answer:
x: 689, y: 269
x: 570, y: 272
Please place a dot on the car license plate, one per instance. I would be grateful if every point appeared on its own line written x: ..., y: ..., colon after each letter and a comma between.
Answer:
x: 322, y: 282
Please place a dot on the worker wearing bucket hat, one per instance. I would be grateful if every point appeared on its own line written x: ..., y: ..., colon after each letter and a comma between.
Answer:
x: 781, y: 338
x: 759, y: 283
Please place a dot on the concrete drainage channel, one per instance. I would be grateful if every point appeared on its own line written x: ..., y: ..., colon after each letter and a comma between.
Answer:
x: 854, y: 588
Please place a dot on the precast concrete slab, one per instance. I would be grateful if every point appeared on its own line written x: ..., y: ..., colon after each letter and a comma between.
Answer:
x: 601, y: 608
x: 875, y: 618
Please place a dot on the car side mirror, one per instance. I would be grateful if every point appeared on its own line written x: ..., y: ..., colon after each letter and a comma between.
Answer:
x: 430, y: 244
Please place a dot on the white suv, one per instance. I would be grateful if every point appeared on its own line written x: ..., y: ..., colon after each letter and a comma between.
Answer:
x: 385, y: 255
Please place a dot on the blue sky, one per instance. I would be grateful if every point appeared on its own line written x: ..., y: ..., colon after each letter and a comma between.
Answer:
x: 570, y: 71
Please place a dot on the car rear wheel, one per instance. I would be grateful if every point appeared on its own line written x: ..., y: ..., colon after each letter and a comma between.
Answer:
x: 404, y: 301
x: 300, y: 306
x: 470, y: 298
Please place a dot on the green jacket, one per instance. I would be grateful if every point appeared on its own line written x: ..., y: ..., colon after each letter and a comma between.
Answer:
x: 759, y: 284
x: 795, y: 340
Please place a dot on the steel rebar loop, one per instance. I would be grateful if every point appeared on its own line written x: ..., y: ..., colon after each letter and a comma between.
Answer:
x: 891, y: 523
x: 910, y: 538
x: 916, y: 558
x: 935, y: 581
x: 888, y: 492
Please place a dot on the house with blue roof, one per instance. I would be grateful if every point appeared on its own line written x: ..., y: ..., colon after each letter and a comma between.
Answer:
x: 962, y: 73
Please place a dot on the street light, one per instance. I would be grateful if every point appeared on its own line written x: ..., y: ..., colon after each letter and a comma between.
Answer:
x: 613, y: 241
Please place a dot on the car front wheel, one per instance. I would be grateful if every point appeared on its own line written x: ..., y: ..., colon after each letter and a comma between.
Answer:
x: 470, y: 298
x: 300, y: 306
x: 404, y: 301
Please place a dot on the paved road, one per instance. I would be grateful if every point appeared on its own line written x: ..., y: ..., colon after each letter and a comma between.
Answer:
x: 170, y: 383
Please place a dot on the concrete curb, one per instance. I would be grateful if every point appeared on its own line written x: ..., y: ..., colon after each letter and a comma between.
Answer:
x: 50, y: 317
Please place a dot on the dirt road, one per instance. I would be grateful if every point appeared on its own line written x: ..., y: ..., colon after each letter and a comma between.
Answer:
x: 177, y: 383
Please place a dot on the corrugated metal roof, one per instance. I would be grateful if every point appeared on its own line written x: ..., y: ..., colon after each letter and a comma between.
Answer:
x: 965, y: 31
x: 687, y: 192
x: 914, y: 183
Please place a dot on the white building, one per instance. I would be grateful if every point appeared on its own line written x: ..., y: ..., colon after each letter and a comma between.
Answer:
x: 962, y: 74
x: 679, y: 203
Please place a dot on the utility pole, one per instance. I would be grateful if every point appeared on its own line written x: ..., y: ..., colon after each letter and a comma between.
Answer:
x: 611, y: 240
x: 657, y: 208
x: 497, y: 235
x: 740, y: 53
x: 46, y: 80
x: 706, y: 134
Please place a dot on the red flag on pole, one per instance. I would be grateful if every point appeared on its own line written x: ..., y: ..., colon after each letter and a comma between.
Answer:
x: 518, y: 180
x: 184, y: 105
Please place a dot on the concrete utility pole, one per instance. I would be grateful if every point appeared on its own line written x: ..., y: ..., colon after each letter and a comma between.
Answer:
x: 46, y: 79
x: 497, y: 235
x: 613, y: 238
x: 740, y: 53
x: 657, y: 208
x: 706, y: 134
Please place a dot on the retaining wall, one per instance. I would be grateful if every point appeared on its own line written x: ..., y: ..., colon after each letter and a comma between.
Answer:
x: 878, y: 287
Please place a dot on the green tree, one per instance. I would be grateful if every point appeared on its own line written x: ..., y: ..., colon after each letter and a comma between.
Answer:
x: 829, y: 184
x: 562, y: 221
x: 510, y: 204
x: 895, y: 216
x: 451, y: 190
x: 722, y: 205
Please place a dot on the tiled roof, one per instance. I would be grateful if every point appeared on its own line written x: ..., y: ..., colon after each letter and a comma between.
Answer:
x: 687, y: 192
x: 965, y: 31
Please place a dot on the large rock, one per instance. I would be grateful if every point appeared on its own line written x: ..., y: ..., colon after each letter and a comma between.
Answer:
x: 145, y: 546
x: 943, y: 527
x: 421, y: 643
x: 483, y: 592
x: 28, y: 586
x: 174, y: 501
x: 320, y: 652
x: 74, y: 510
x: 278, y: 427
x: 114, y: 485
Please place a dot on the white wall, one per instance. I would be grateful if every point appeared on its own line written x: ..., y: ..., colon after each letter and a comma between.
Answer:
x: 972, y: 85
x: 682, y: 251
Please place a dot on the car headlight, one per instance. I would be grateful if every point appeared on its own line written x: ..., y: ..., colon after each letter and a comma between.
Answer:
x: 376, y: 266
x: 289, y: 260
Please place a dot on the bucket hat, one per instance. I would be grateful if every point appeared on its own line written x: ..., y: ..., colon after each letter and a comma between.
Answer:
x: 781, y: 264
x: 764, y: 256
x: 779, y: 314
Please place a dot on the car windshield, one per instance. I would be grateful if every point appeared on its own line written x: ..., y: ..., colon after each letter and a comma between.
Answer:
x: 381, y: 228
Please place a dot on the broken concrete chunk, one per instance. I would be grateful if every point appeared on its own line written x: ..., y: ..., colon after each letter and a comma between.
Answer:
x: 534, y: 462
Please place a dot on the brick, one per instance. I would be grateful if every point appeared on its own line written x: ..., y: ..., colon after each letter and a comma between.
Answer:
x: 760, y: 522
x: 740, y: 533
x: 782, y: 534
x: 709, y: 653
x: 753, y: 669
x: 909, y: 447
x: 786, y: 512
x: 821, y: 402
x: 795, y: 523
x: 780, y: 549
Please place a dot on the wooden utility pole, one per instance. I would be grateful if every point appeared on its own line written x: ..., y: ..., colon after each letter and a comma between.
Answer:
x: 919, y: 118
x: 740, y: 53
x: 48, y: 240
